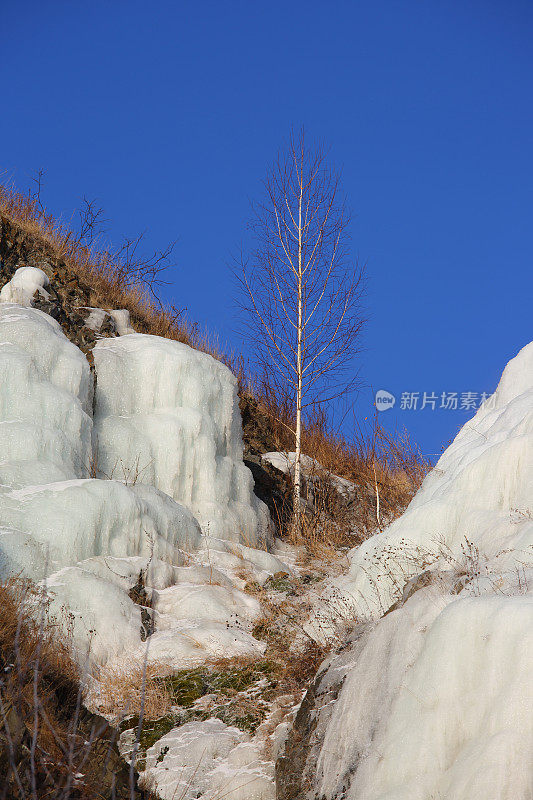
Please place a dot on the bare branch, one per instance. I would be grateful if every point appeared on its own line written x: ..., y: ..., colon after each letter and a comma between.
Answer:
x: 91, y: 221
x: 133, y: 269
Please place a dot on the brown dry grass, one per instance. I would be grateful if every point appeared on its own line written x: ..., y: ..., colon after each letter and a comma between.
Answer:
x: 49, y: 746
x: 28, y: 651
x: 129, y: 690
x: 377, y: 462
x: 301, y: 667
x: 106, y: 275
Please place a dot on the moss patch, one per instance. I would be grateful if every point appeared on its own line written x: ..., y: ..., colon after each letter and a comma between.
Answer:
x: 237, y: 689
x: 187, y: 686
x: 280, y: 582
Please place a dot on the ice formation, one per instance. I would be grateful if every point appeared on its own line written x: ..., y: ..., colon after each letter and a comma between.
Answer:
x: 211, y: 602
x: 436, y: 703
x: 479, y: 497
x: 80, y: 519
x: 105, y: 623
x: 23, y: 285
x: 95, y: 319
x: 200, y: 609
x: 169, y: 415
x: 121, y: 318
x: 189, y: 643
x: 437, y: 698
x: 236, y: 560
x: 88, y: 538
x: 45, y: 401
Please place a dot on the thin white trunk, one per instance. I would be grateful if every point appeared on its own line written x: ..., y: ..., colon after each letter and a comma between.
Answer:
x: 299, y: 370
x: 378, y: 519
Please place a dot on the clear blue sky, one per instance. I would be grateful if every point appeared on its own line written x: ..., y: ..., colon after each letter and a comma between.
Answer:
x: 170, y: 112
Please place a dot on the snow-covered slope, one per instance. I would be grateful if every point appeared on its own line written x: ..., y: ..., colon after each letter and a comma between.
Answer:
x: 437, y: 694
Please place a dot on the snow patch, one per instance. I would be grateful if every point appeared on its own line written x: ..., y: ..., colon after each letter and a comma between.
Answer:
x: 23, y: 285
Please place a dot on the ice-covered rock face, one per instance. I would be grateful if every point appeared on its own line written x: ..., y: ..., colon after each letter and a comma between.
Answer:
x: 89, y: 538
x: 435, y: 702
x: 437, y: 693
x: 45, y: 401
x: 479, y: 497
x: 169, y: 414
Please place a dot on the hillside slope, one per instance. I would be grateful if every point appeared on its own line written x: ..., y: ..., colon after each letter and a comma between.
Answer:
x: 136, y: 473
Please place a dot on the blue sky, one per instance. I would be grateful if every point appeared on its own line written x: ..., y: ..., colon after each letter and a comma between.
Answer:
x: 169, y: 113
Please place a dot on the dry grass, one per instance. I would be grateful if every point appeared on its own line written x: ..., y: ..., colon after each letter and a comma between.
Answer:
x: 386, y: 470
x: 301, y: 667
x: 131, y: 690
x: 30, y: 653
x: 50, y: 747
x: 112, y: 284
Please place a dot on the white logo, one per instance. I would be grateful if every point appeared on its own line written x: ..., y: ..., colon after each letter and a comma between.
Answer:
x: 384, y: 400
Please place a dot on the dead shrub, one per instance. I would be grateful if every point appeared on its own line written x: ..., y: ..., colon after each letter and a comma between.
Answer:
x: 301, y: 667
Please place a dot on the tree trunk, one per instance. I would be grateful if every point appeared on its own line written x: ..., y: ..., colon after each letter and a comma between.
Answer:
x: 299, y: 369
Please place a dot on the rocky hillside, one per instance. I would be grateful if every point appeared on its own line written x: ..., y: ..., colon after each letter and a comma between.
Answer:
x: 126, y: 503
x: 154, y: 611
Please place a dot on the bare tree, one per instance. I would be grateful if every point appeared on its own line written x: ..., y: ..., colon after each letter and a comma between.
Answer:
x: 302, y: 292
